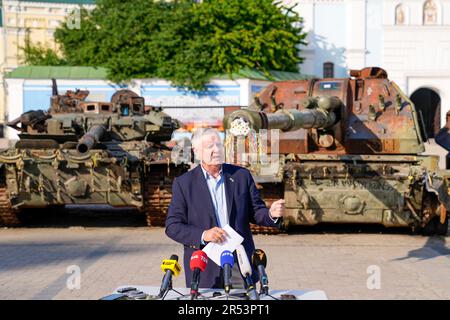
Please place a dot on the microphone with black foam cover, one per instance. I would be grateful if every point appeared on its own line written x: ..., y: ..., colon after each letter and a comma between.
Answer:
x: 198, y: 263
x: 170, y: 267
x: 259, y: 260
x: 246, y: 270
x: 227, y: 262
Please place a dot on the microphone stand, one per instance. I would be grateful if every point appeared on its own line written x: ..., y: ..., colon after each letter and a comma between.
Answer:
x: 197, y: 296
x: 269, y: 295
x: 229, y: 296
x: 265, y: 292
x: 170, y: 288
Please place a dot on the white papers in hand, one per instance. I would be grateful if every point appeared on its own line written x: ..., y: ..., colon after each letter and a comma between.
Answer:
x: 232, y: 240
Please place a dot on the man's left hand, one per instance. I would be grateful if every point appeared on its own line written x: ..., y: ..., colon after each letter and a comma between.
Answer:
x: 277, y: 209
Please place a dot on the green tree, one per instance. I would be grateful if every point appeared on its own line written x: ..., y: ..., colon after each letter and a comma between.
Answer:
x: 39, y: 55
x: 184, y: 41
x: 251, y: 34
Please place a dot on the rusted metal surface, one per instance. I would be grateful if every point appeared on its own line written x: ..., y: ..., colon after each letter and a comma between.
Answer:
x: 88, y: 152
x: 158, y: 193
x: 8, y: 216
x: 376, y: 117
x: 129, y: 98
x: 68, y: 102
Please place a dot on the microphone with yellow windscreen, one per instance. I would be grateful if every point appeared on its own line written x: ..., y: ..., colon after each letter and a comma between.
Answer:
x: 170, y: 267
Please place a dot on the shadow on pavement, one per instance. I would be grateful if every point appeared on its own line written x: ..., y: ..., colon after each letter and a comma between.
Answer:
x: 86, y: 216
x: 101, y: 216
x: 26, y: 255
x: 351, y: 228
x: 433, y: 248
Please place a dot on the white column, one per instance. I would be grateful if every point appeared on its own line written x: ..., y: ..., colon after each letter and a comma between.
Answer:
x: 356, y: 34
x: 305, y: 9
x: 245, y: 92
x: 14, y: 104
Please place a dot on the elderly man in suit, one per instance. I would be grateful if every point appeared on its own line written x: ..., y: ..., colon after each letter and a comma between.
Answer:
x: 211, y: 196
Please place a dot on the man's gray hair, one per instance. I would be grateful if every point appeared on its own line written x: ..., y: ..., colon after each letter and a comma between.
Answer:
x: 199, y: 133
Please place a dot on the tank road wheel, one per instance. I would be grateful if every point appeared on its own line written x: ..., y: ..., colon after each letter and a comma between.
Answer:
x: 8, y: 216
x: 433, y: 224
x: 158, y: 193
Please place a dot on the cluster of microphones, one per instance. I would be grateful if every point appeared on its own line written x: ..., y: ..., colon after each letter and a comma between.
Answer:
x: 199, y: 261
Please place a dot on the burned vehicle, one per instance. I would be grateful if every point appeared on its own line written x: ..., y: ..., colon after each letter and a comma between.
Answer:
x: 341, y: 151
x: 87, y: 152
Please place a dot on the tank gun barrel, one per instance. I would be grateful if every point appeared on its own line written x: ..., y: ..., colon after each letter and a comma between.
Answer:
x: 54, y: 88
x: 319, y: 113
x: 91, y: 138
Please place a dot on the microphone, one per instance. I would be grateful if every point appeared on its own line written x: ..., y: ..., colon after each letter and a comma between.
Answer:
x: 170, y: 267
x: 246, y: 270
x: 259, y: 260
x: 227, y: 262
x: 198, y: 263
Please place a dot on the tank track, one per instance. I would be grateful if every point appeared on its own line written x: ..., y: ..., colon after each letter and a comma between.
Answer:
x: 8, y: 216
x: 158, y: 193
x: 269, y: 192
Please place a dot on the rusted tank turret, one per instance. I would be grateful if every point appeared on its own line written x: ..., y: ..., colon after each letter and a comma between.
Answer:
x: 68, y: 102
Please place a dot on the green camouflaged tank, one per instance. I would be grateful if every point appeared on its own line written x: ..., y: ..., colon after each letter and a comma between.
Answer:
x: 85, y: 152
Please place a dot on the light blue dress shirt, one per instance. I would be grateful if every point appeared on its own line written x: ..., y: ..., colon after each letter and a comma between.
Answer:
x: 216, y: 187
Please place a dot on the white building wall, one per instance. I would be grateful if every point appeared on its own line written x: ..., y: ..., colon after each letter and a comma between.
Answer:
x: 336, y: 33
x: 305, y: 8
x: 417, y: 55
x: 330, y: 37
x: 374, y: 33
x: 361, y: 33
x: 356, y: 34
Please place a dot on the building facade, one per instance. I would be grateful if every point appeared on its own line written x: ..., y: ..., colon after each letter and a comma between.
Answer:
x: 36, y: 19
x: 410, y: 39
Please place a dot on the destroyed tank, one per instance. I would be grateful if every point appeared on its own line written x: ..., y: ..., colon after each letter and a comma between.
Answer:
x: 341, y: 151
x: 84, y: 152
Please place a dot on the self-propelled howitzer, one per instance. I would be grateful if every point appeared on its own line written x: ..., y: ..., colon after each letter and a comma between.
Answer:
x: 346, y: 151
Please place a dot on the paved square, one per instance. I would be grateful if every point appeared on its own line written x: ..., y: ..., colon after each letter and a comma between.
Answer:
x: 34, y: 262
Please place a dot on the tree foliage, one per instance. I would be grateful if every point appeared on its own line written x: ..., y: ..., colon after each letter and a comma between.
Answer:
x: 40, y: 55
x: 183, y: 41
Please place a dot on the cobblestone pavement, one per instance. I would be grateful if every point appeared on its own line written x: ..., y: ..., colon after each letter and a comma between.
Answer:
x: 342, y: 261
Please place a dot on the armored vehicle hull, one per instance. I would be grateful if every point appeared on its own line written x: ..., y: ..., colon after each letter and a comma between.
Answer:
x: 83, y: 152
x: 341, y: 151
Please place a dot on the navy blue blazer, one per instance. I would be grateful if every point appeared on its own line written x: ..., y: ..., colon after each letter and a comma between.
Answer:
x: 191, y: 212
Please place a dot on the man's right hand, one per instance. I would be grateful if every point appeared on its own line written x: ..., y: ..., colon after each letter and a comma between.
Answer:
x: 216, y: 235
